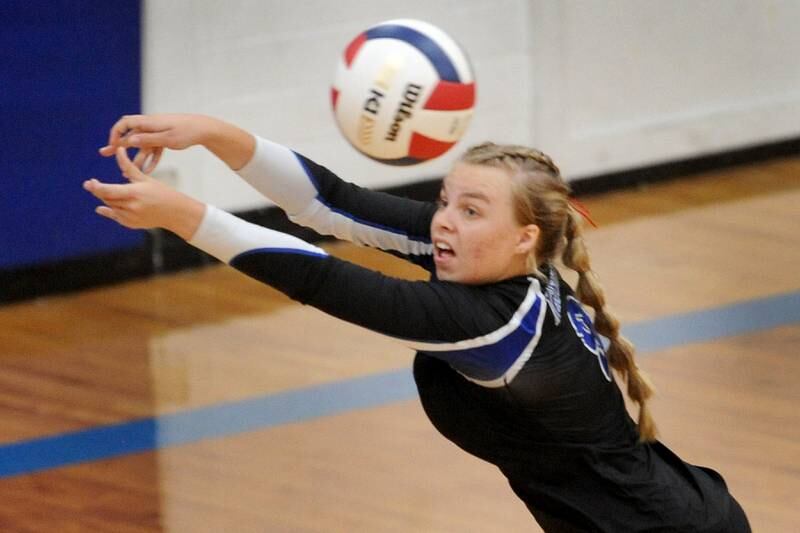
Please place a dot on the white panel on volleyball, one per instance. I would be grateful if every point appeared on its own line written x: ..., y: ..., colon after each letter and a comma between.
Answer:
x: 447, y: 126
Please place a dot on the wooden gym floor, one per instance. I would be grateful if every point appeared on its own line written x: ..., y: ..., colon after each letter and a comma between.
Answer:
x: 203, y: 401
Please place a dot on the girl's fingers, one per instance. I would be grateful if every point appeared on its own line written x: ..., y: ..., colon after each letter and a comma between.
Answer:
x: 108, y: 192
x: 141, y: 158
x: 127, y: 167
x: 137, y: 131
x: 122, y: 127
x: 147, y: 159
x: 147, y: 139
x: 105, y: 211
x: 109, y: 213
x: 119, y: 205
x: 120, y: 133
x: 154, y: 160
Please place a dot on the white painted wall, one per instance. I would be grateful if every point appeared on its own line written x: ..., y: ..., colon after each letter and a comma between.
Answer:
x: 600, y: 85
x: 624, y: 83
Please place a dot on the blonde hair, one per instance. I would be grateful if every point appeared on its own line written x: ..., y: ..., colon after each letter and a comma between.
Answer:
x: 541, y: 197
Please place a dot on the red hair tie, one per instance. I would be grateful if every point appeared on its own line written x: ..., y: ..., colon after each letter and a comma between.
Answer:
x: 580, y: 208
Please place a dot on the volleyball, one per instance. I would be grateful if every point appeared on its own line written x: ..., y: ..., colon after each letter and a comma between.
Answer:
x: 403, y: 93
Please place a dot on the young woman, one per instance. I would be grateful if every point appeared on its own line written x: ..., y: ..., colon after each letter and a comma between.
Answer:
x: 508, y: 364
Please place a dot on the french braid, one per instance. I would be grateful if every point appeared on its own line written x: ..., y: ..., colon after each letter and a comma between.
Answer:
x: 620, y: 350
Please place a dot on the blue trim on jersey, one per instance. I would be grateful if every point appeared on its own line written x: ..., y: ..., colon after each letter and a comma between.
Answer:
x: 323, y: 201
x: 438, y: 58
x: 268, y: 250
x: 492, y: 361
x: 584, y: 329
x: 309, y: 174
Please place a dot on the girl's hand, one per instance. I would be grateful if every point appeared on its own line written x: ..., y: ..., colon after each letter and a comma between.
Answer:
x: 152, y: 133
x: 145, y: 202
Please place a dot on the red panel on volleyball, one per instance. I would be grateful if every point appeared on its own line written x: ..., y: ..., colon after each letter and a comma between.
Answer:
x: 352, y: 48
x: 426, y: 148
x: 450, y: 96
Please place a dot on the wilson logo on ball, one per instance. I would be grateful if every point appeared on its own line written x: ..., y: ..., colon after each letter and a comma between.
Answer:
x: 403, y: 93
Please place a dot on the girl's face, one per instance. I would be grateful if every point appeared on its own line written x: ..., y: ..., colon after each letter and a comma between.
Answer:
x: 476, y: 237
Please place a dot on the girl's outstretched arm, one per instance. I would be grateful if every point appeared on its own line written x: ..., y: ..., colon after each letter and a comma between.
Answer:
x: 309, y: 193
x: 482, y: 331
x: 313, y: 196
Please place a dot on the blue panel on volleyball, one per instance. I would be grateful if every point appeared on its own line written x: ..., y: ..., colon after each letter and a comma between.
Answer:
x: 70, y: 68
x: 444, y: 67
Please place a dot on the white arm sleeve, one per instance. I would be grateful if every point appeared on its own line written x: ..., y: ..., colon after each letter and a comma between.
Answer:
x: 225, y: 237
x: 279, y: 174
x: 275, y: 172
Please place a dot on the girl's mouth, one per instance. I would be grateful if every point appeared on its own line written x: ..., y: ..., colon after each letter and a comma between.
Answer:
x: 442, y: 251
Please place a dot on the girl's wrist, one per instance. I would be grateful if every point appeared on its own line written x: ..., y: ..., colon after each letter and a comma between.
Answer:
x: 186, y: 217
x: 233, y: 145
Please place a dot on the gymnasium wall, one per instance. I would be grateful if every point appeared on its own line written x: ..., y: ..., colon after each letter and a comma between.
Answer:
x: 607, y: 88
x: 602, y: 86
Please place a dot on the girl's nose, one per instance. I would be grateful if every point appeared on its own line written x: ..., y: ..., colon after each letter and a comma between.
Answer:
x: 442, y: 219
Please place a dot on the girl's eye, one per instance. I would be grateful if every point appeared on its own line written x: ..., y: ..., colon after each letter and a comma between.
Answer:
x: 470, y: 212
x: 441, y: 202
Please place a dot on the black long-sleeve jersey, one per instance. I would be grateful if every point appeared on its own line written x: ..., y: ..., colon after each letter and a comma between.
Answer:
x: 512, y: 372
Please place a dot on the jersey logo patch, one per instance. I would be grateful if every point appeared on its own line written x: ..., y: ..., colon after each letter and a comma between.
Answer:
x: 553, y: 294
x: 582, y: 324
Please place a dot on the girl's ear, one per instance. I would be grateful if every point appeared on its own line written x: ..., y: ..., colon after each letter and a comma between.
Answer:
x: 528, y: 237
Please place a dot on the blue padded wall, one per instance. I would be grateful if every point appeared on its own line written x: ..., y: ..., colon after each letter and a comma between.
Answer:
x: 68, y: 70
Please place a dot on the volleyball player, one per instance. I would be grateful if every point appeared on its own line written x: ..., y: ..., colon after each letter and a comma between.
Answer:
x: 509, y: 365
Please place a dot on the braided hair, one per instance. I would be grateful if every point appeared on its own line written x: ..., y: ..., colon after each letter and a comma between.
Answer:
x: 541, y: 197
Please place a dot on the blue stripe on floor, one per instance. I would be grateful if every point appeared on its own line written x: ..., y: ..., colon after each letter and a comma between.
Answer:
x: 105, y: 442
x: 701, y: 326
